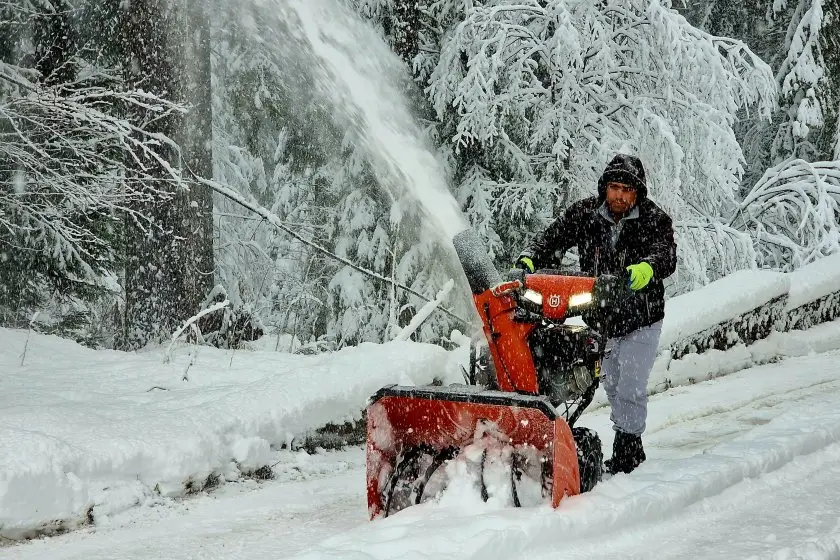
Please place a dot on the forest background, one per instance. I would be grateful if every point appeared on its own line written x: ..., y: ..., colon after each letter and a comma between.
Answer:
x: 158, y: 158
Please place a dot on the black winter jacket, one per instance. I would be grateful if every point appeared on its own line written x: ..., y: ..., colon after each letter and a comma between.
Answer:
x: 648, y: 237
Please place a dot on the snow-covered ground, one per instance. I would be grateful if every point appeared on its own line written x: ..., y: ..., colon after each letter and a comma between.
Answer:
x: 741, y: 466
x: 88, y: 433
x: 742, y: 456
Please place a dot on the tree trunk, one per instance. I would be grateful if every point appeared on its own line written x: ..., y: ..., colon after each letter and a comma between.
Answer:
x: 53, y: 36
x: 169, y: 261
x: 156, y: 302
x: 195, y: 140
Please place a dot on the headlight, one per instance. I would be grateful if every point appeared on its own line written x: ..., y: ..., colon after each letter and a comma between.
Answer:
x: 580, y: 299
x: 533, y: 297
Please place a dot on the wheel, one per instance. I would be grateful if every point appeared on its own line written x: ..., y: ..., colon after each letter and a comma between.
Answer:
x: 590, y: 457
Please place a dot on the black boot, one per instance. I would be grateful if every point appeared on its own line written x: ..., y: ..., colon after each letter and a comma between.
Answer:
x: 628, y: 453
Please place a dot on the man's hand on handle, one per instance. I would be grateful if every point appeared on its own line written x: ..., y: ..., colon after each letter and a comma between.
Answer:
x: 640, y: 275
x: 525, y: 263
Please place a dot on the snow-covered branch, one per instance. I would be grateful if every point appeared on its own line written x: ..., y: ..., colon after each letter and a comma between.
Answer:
x: 66, y: 166
x: 793, y: 213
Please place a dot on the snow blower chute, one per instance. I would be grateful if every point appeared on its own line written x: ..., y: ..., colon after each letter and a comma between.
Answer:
x: 517, y: 413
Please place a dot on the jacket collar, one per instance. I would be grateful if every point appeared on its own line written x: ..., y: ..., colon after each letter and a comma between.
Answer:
x: 604, y: 212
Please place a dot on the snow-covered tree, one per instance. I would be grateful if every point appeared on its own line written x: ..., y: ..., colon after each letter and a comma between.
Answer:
x: 793, y: 213
x: 535, y: 97
x: 64, y: 189
x: 809, y: 82
x: 797, y: 39
x: 281, y: 140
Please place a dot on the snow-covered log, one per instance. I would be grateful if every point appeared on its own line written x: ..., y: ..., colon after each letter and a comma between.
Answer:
x: 745, y: 329
x: 822, y: 310
x: 747, y: 306
x: 814, y: 294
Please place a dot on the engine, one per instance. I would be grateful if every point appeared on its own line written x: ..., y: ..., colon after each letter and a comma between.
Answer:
x: 567, y: 359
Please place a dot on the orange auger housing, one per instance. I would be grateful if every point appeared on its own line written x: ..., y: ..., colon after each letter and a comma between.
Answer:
x: 440, y: 418
x: 412, y: 432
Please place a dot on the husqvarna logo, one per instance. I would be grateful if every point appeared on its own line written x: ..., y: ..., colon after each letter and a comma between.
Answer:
x: 554, y: 300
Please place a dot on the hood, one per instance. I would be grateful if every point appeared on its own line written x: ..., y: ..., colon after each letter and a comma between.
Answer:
x: 625, y: 169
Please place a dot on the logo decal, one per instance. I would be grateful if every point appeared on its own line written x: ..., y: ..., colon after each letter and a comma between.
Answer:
x: 554, y: 300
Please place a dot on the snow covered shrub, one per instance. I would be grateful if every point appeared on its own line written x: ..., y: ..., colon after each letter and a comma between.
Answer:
x: 793, y: 214
x: 227, y: 327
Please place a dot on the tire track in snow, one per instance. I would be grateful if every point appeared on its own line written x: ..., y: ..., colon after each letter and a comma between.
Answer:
x: 755, y: 518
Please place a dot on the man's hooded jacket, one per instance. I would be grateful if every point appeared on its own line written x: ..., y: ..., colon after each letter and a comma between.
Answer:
x: 646, y: 233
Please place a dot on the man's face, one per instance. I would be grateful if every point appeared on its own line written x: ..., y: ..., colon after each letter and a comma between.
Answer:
x: 620, y: 198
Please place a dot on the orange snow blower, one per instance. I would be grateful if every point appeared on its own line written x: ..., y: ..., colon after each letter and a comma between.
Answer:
x: 517, y: 413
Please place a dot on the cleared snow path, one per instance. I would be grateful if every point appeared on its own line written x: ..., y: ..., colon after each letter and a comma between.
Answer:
x: 745, y: 465
x: 706, y: 443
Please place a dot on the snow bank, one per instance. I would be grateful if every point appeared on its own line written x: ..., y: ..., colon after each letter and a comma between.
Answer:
x: 720, y: 301
x: 694, y: 368
x: 81, y: 428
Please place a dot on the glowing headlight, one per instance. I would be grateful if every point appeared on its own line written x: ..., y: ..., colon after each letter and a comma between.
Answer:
x: 533, y: 296
x: 580, y: 299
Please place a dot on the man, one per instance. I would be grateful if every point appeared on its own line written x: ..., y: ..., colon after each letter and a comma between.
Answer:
x: 621, y: 232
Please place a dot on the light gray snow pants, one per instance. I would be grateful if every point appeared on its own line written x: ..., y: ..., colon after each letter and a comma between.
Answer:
x: 625, y: 372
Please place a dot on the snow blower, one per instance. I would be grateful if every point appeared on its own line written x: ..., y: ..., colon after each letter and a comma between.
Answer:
x: 517, y: 414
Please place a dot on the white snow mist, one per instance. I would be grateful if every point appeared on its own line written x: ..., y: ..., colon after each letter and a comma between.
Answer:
x: 361, y: 76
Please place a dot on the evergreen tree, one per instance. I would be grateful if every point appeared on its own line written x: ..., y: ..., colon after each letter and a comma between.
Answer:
x: 273, y: 144
x: 799, y: 41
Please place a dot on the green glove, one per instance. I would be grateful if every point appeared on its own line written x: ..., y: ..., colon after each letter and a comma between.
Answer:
x: 525, y: 263
x: 640, y: 275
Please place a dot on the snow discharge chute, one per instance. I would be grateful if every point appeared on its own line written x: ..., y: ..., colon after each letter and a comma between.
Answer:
x: 513, y: 430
